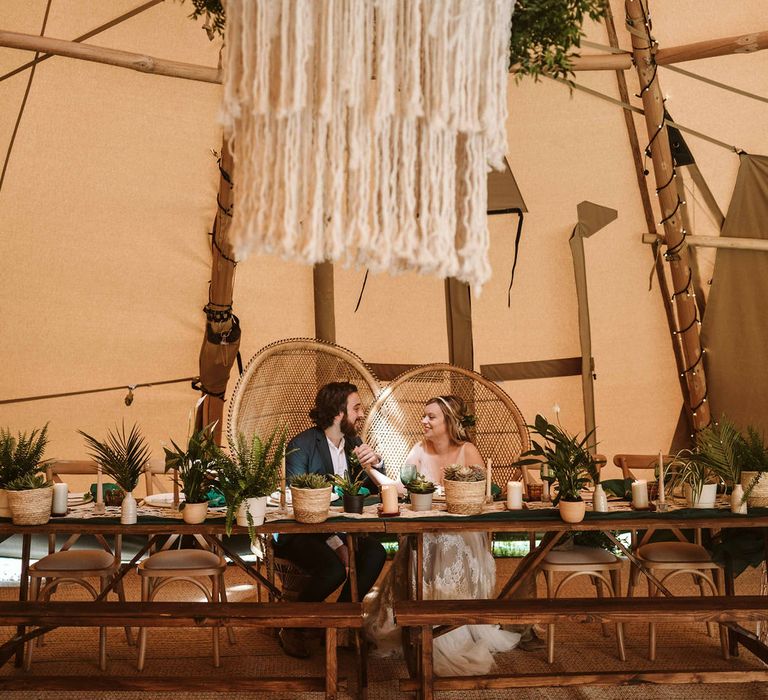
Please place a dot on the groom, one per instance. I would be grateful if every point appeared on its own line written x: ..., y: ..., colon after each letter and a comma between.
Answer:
x: 327, y: 449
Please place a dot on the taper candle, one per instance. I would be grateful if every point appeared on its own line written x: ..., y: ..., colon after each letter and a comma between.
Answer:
x: 662, y: 495
x: 488, y: 496
x: 282, y: 482
x: 99, y: 487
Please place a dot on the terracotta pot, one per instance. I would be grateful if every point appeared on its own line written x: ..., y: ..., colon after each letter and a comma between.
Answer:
x: 421, y: 501
x: 572, y: 511
x: 256, y: 506
x: 194, y: 513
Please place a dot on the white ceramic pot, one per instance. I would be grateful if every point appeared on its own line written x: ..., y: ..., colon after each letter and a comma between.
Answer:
x: 421, y: 501
x: 194, y: 513
x: 257, y: 508
x: 128, y: 515
x: 706, y: 498
x: 572, y: 511
x: 5, y: 509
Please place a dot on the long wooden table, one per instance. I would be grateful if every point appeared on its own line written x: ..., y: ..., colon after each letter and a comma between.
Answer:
x: 540, y: 521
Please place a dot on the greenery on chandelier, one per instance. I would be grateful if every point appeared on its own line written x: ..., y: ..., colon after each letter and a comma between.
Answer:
x: 543, y: 32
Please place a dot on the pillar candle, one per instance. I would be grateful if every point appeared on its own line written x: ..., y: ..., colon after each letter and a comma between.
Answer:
x: 389, y: 499
x: 662, y: 495
x: 488, y: 496
x: 640, y: 493
x: 60, y: 492
x: 514, y: 495
x: 545, y: 495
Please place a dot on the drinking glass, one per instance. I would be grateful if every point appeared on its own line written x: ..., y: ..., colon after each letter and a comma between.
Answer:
x: 407, y: 473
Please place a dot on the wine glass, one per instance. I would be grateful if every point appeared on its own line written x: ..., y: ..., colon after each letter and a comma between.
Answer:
x: 407, y: 474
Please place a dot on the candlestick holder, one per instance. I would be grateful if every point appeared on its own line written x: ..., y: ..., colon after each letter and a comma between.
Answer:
x: 661, y: 507
x: 99, y: 508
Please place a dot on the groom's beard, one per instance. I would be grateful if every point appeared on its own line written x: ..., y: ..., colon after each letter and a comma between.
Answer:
x: 348, y: 429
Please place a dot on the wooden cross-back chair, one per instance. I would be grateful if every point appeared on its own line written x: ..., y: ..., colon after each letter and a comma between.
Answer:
x: 393, y: 423
x: 277, y: 389
x: 67, y: 566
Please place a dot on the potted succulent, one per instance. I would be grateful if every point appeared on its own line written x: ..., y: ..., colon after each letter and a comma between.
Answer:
x: 19, y: 456
x: 30, y: 498
x: 311, y: 498
x: 464, y: 489
x: 420, y: 491
x: 350, y: 491
x: 247, y: 476
x: 570, y: 466
x: 123, y: 457
x: 193, y: 468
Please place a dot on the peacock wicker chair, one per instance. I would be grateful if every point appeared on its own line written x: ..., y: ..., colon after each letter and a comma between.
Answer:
x: 393, y: 423
x: 277, y: 389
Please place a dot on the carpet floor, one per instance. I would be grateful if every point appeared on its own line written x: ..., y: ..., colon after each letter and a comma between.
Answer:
x: 580, y: 647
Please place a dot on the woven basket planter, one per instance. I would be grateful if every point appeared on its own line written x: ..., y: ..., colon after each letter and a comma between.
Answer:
x: 464, y: 497
x: 758, y: 497
x: 311, y: 505
x: 31, y: 507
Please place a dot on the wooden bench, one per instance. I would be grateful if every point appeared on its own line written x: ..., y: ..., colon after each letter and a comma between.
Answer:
x: 426, y: 614
x: 331, y: 617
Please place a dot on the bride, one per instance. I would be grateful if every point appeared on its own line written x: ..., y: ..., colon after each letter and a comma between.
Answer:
x: 456, y: 565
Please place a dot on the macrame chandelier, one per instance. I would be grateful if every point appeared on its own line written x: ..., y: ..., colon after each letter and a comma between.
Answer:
x: 363, y: 130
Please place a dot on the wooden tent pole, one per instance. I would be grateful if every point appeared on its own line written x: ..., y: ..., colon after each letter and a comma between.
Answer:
x: 745, y: 43
x: 642, y: 186
x: 670, y: 205
x: 218, y: 359
x: 113, y: 57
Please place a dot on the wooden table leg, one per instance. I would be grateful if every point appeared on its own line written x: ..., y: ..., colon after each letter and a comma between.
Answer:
x: 26, y: 548
x: 361, y: 647
x: 427, y: 673
x: 730, y: 590
x: 331, y: 664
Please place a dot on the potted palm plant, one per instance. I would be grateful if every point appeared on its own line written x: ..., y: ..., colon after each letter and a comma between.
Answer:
x: 420, y: 491
x: 464, y: 489
x: 719, y: 452
x: 123, y: 456
x: 194, y: 469
x: 311, y: 498
x: 247, y: 476
x: 20, y: 456
x: 350, y: 491
x: 570, y: 466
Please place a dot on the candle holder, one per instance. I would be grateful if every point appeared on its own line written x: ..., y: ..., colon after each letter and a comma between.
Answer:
x: 661, y: 507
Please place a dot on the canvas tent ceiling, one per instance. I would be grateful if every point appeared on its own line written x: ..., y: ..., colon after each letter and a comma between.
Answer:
x: 110, y: 192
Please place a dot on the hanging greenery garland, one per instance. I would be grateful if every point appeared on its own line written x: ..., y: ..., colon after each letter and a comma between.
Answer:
x: 543, y: 32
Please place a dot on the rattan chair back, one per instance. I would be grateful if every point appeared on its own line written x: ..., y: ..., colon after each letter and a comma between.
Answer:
x: 278, y: 386
x: 393, y: 423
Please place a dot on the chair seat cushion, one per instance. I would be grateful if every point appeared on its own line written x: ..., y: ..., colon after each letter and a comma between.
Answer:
x: 671, y: 552
x: 75, y: 560
x: 183, y: 559
x: 580, y: 555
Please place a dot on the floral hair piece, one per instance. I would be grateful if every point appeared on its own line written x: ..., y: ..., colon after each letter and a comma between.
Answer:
x: 468, y: 420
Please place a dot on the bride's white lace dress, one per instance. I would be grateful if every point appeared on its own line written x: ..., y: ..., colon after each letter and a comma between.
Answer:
x: 456, y: 566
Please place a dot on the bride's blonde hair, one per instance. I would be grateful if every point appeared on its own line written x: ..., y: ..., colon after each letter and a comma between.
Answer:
x: 455, y: 411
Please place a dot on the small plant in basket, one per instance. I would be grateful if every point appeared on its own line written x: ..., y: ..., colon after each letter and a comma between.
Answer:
x: 20, y: 456
x: 310, y: 497
x: 464, y: 489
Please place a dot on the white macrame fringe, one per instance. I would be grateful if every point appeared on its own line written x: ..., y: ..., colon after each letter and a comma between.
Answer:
x: 363, y: 130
